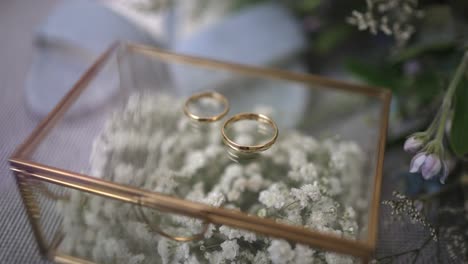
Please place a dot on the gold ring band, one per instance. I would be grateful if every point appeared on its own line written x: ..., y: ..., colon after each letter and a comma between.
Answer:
x: 219, y: 97
x: 252, y: 148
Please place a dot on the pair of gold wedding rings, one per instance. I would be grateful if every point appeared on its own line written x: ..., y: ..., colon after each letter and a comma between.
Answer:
x: 263, y: 119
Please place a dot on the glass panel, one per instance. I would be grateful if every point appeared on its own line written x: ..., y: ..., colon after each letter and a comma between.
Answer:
x: 318, y: 174
x: 104, y: 230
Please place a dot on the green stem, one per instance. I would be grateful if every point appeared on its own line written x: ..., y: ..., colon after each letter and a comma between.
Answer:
x: 287, y: 206
x: 418, y: 252
x: 212, y: 246
x: 432, y: 127
x: 448, y: 98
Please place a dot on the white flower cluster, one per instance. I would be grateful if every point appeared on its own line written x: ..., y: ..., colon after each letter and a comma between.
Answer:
x: 299, y: 181
x: 391, y: 17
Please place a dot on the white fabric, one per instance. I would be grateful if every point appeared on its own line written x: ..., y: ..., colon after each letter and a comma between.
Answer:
x: 68, y: 42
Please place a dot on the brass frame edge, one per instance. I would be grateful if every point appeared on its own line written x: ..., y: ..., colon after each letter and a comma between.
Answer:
x: 272, y: 73
x: 386, y: 98
x: 41, y: 130
x: 67, y: 259
x: 211, y: 214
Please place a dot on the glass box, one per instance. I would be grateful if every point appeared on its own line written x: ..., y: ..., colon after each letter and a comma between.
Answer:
x: 318, y: 186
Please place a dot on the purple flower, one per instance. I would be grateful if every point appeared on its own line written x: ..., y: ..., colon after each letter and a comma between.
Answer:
x: 417, y: 161
x: 413, y: 144
x: 429, y: 165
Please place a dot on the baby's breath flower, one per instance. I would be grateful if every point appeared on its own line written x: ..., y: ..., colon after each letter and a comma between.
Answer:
x: 301, y: 196
x: 215, y: 199
x: 391, y: 17
x: 294, y: 216
x: 307, y: 172
x: 336, y: 258
x: 297, y: 158
x: 273, y: 197
x: 194, y: 161
x: 303, y: 255
x: 280, y: 252
x: 403, y: 206
x: 214, y: 257
x: 261, y: 258
x: 230, y: 249
x: 165, y: 250
x: 232, y: 233
x: 306, y: 194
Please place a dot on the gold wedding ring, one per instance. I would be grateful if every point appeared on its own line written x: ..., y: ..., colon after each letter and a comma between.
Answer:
x: 214, y: 95
x: 249, y: 148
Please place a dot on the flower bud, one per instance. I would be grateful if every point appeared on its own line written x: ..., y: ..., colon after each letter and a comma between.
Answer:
x: 413, y: 144
x: 417, y: 162
x: 431, y: 166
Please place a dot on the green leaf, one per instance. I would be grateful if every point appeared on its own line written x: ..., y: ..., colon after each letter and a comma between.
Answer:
x: 331, y: 38
x: 417, y: 50
x: 308, y: 6
x: 377, y: 75
x: 436, y: 33
x: 459, y: 130
x: 426, y: 86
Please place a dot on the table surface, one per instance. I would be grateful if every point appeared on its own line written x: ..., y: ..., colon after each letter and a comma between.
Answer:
x: 18, y: 20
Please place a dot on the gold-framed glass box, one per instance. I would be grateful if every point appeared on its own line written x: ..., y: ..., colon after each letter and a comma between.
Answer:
x: 61, y: 167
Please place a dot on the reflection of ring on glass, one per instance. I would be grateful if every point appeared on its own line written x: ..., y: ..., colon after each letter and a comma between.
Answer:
x: 152, y: 227
x: 206, y: 107
x: 261, y: 121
